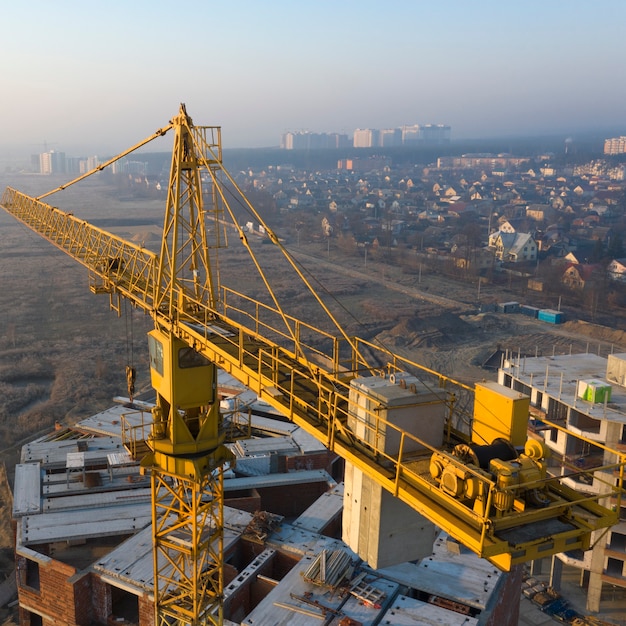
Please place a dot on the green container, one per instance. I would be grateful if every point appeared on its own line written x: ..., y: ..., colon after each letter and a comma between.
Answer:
x: 594, y: 391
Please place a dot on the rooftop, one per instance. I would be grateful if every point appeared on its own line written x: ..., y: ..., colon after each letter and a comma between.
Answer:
x: 560, y: 375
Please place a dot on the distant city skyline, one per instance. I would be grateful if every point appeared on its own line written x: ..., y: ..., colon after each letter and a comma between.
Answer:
x: 414, y: 134
x: 95, y: 78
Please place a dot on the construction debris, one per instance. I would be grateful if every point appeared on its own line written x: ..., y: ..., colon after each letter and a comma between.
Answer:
x: 330, y: 568
x: 368, y: 594
x: 261, y: 525
x: 550, y: 601
x: 307, y: 599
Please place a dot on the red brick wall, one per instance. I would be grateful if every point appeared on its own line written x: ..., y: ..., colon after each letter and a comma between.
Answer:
x: 503, y: 609
x: 146, y: 611
x: 248, y: 500
x: 293, y: 500
x: 82, y: 599
x: 100, y: 600
x: 70, y: 598
x: 59, y: 596
x: 333, y: 528
x: 317, y: 460
x: 239, y: 604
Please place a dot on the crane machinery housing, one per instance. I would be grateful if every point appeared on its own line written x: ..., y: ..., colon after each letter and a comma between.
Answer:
x: 397, y: 424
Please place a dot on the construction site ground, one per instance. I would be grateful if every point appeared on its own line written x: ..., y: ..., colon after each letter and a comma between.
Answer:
x: 613, y: 603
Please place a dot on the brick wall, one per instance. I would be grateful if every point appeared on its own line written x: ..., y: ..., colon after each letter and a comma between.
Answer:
x: 292, y: 500
x: 503, y: 609
x: 100, y: 600
x: 146, y: 611
x: 316, y: 460
x: 242, y: 601
x: 69, y: 598
x: 245, y: 500
x: 59, y: 598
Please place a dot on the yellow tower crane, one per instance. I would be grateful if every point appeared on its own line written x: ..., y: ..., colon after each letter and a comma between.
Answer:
x: 507, y: 509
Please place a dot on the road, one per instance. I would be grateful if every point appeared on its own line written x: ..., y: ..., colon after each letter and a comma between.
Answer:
x: 371, y: 276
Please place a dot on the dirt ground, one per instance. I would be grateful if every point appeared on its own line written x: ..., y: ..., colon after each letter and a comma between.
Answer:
x: 62, y: 352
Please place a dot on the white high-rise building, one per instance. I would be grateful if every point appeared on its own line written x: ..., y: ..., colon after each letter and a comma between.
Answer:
x: 365, y: 138
x: 615, y: 145
x: 52, y: 162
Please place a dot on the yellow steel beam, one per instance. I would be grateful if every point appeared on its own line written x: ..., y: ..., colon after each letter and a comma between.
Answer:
x: 119, y: 265
x: 288, y: 384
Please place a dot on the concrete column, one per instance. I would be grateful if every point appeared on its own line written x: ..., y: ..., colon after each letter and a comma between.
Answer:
x: 584, y: 578
x: 535, y: 567
x: 594, y: 591
x: 556, y: 572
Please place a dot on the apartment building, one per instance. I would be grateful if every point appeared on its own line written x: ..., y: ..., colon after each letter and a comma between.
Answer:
x: 365, y: 138
x: 52, y: 162
x: 574, y: 396
x: 615, y: 145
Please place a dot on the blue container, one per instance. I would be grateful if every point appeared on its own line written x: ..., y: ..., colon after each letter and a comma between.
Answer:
x: 551, y: 316
x: 530, y: 311
x: 508, y: 307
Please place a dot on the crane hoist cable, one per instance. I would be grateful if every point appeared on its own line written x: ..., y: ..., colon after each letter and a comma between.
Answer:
x: 275, y: 240
x: 131, y: 372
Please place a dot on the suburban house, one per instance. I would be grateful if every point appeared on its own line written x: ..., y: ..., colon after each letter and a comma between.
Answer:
x: 513, y: 247
x: 578, y: 275
x: 617, y: 270
x: 539, y: 212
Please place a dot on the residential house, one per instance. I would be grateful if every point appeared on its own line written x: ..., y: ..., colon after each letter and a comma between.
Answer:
x: 539, y: 212
x: 508, y: 227
x: 513, y: 247
x: 579, y: 276
x: 555, y: 243
x: 475, y: 259
x: 617, y: 270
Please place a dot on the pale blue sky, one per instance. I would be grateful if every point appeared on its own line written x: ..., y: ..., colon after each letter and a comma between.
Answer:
x: 95, y: 77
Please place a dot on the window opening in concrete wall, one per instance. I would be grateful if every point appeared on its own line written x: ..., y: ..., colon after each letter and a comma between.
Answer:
x: 584, y: 422
x: 556, y: 410
x: 618, y: 541
x: 614, y: 567
x: 522, y: 388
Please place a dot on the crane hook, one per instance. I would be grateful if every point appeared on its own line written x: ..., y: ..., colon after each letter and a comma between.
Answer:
x: 131, y: 374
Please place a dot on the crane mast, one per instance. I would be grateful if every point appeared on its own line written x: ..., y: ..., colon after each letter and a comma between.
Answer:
x: 316, y: 378
x: 187, y: 451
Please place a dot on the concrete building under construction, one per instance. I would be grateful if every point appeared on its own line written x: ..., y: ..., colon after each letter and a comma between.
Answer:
x: 84, y: 540
x: 578, y: 409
